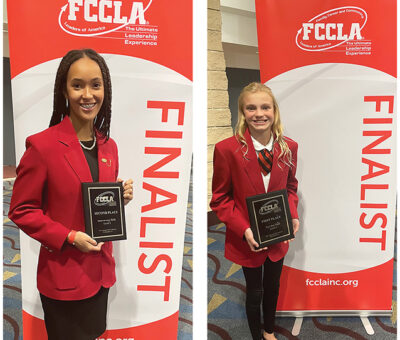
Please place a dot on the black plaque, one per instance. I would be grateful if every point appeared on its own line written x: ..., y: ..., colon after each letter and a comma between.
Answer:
x: 270, y: 218
x: 103, y: 204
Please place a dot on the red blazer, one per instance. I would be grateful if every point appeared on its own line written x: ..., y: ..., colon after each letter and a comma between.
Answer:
x: 47, y: 203
x: 236, y: 177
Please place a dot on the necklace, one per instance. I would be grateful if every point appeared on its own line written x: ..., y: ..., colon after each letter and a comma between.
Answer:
x: 89, y: 147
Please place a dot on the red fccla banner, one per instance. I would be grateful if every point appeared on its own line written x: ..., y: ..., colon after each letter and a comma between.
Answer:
x: 332, y: 67
x: 148, y: 48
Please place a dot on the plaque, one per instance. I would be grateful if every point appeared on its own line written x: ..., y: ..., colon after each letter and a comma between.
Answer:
x: 270, y: 218
x: 103, y: 205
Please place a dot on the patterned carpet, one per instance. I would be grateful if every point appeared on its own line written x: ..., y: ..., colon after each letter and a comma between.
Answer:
x: 227, y: 316
x: 186, y: 302
x: 12, y: 306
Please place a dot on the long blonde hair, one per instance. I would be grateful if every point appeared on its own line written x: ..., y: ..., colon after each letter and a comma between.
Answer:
x: 277, y: 127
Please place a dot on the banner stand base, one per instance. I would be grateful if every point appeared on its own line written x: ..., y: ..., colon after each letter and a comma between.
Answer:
x: 297, y: 326
x: 363, y: 315
x: 333, y: 313
x: 299, y: 321
x: 367, y: 325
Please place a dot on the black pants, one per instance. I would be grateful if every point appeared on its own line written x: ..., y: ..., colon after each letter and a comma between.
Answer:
x: 76, y: 320
x: 262, y: 287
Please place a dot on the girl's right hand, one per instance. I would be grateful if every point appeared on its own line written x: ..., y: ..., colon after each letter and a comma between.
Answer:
x: 248, y: 234
x: 85, y: 243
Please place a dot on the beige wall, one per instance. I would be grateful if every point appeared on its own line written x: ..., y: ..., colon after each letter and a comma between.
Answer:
x: 219, y: 115
x: 6, y: 52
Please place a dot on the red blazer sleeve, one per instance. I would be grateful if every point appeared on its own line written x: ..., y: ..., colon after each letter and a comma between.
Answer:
x: 292, y: 184
x: 222, y: 201
x: 117, y: 159
x: 27, y: 205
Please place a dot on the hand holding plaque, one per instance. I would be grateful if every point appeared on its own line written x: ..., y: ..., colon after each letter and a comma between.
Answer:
x: 103, y: 206
x: 270, y: 218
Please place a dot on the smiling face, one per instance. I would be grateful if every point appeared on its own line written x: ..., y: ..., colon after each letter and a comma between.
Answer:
x: 84, y: 91
x: 259, y: 113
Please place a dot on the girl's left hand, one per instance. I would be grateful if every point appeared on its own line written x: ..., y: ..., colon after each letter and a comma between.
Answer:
x: 296, y: 225
x: 128, y: 190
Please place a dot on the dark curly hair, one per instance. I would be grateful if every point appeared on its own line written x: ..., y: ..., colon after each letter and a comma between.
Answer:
x: 60, y: 109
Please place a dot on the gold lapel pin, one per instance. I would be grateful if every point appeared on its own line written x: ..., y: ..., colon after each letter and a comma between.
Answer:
x: 107, y: 161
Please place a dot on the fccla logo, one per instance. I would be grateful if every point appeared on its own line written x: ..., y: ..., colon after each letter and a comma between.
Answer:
x: 105, y: 198
x: 97, y: 17
x: 269, y: 207
x: 331, y: 28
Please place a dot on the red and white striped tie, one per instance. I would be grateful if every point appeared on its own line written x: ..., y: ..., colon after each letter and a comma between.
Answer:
x: 265, y: 161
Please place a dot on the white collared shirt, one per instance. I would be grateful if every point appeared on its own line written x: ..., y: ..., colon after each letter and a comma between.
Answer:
x: 258, y: 146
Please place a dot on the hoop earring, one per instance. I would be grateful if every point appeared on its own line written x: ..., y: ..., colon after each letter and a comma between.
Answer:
x: 102, y: 121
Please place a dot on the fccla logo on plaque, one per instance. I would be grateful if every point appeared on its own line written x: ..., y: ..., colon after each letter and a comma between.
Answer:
x: 105, y: 198
x: 269, y: 207
x: 98, y: 17
x: 331, y: 29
